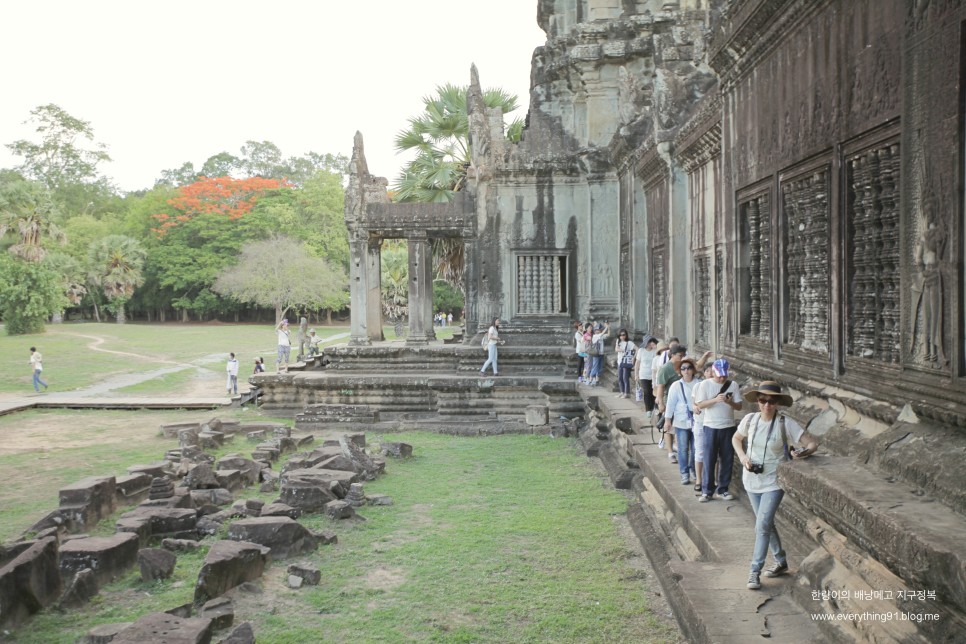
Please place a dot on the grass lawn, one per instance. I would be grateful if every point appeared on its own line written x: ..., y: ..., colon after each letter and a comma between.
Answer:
x: 500, y: 539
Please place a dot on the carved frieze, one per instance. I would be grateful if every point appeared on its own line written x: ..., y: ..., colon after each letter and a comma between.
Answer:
x: 702, y: 289
x: 805, y: 208
x: 872, y: 211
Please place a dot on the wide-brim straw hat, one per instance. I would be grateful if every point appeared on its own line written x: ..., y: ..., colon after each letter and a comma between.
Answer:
x: 768, y: 388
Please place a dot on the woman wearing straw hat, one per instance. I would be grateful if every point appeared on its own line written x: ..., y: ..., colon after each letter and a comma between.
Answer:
x: 767, y: 434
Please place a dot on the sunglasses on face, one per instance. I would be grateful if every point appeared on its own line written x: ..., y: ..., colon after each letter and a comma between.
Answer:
x: 764, y: 400
x: 687, y: 368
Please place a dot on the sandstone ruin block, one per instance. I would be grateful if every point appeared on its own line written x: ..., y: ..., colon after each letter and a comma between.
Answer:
x: 80, y: 590
x: 29, y: 582
x: 309, y: 574
x: 180, y: 545
x: 156, y: 563
x: 104, y: 633
x: 339, y: 510
x: 201, y: 477
x: 249, y: 469
x: 162, y: 627
x: 280, y: 510
x: 109, y: 557
x: 220, y: 611
x: 537, y: 415
x: 308, y: 490
x: 396, y: 449
x: 243, y: 634
x: 379, y: 499
x: 228, y: 564
x: 158, y: 521
x: 212, y: 496
x: 87, y: 501
x: 170, y: 430
x: 285, y: 536
x: 132, y: 488
x: 153, y: 469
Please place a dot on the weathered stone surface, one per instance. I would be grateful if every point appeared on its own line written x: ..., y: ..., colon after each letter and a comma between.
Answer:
x: 339, y: 462
x: 227, y: 564
x: 268, y: 486
x: 184, y: 610
x: 285, y: 536
x: 339, y: 510
x: 154, y: 469
x: 160, y: 521
x: 80, y: 590
x: 109, y: 557
x: 156, y: 563
x: 214, y: 496
x: 220, y: 611
x: 353, y: 447
x: 243, y: 634
x: 379, y: 499
x: 537, y: 415
x: 280, y: 510
x: 249, y: 468
x: 200, y: 477
x: 356, y: 497
x: 180, y: 545
x: 132, y: 488
x: 95, y: 494
x: 29, y: 582
x: 294, y: 581
x: 308, y: 490
x: 396, y: 449
x: 162, y: 487
x: 309, y: 574
x: 170, y: 430
x: 169, y: 629
x: 104, y: 633
x: 231, y: 479
x: 256, y: 435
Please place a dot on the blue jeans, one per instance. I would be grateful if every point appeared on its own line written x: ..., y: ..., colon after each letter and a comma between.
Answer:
x: 765, y: 505
x: 624, y: 377
x: 718, y: 450
x: 685, y: 451
x: 38, y: 381
x: 596, y: 365
x: 491, y: 358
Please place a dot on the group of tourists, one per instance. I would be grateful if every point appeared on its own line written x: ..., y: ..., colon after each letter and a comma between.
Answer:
x: 443, y: 319
x: 693, y: 401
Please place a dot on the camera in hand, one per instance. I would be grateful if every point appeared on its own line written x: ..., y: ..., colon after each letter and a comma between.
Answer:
x: 756, y: 468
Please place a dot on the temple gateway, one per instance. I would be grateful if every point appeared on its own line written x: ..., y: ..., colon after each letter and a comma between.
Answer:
x: 777, y: 181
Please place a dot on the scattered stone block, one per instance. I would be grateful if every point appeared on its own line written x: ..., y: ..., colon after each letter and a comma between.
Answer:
x: 280, y: 510
x: 256, y: 436
x: 231, y: 479
x: 309, y: 574
x: 161, y: 521
x: 220, y: 611
x: 80, y: 590
x: 228, y: 564
x: 189, y: 437
x: 285, y: 536
x: 109, y: 557
x: 161, y: 488
x: 304, y: 441
x: 154, y: 469
x: 268, y: 486
x: 353, y: 450
x: 356, y: 497
x: 207, y: 526
x: 184, y: 610
x: 180, y: 545
x: 254, y: 506
x: 249, y: 469
x: 104, y: 633
x: 307, y: 490
x: 170, y: 430
x: 326, y: 538
x: 215, y: 496
x: 339, y: 462
x: 30, y: 582
x: 211, y: 439
x: 95, y: 495
x: 162, y: 627
x: 537, y: 415
x: 338, y: 510
x: 132, y: 488
x: 379, y: 499
x: 243, y: 634
x: 201, y: 477
x: 156, y: 563
x: 396, y: 449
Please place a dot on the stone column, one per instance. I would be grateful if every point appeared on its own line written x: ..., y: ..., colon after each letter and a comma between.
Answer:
x: 471, y: 288
x: 374, y: 290
x: 420, y: 291
x: 358, y: 287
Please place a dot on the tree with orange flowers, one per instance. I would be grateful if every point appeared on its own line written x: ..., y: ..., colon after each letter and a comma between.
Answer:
x: 231, y: 198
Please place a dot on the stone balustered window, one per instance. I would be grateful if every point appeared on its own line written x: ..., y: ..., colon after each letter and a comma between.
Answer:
x: 872, y: 192
x: 805, y: 209
x: 719, y: 292
x: 541, y: 284
x: 754, y: 274
x: 660, y: 295
x: 702, y: 289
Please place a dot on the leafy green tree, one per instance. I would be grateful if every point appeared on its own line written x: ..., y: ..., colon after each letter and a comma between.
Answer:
x: 116, y: 264
x: 281, y: 273
x: 27, y: 212
x: 447, y: 298
x: 395, y: 279
x: 30, y: 292
x: 177, y: 177
x: 222, y: 164
x: 73, y: 276
x: 66, y: 153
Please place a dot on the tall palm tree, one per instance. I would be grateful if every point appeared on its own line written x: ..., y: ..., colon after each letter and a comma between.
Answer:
x: 440, y: 137
x: 116, y: 264
x: 27, y: 210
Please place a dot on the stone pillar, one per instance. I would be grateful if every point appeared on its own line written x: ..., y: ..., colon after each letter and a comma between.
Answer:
x: 471, y: 288
x: 679, y: 320
x: 420, y: 291
x: 358, y: 287
x: 374, y: 290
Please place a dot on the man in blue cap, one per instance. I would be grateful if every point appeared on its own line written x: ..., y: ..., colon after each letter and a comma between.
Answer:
x: 718, y: 399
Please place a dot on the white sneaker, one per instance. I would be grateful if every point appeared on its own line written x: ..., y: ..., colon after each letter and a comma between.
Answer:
x: 649, y: 414
x: 661, y: 444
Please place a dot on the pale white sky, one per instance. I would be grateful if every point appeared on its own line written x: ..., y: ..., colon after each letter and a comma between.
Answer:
x: 167, y: 82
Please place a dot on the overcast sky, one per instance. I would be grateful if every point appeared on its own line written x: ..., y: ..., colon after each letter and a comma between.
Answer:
x: 165, y: 83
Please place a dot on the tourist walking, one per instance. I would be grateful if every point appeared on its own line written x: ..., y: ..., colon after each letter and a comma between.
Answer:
x: 680, y: 416
x: 698, y: 431
x: 596, y: 351
x: 492, y: 340
x: 761, y: 444
x: 626, y: 352
x: 37, y: 367
x: 284, y: 346
x: 232, y: 369
x: 718, y: 400
x: 644, y: 367
x: 667, y: 376
x: 588, y: 335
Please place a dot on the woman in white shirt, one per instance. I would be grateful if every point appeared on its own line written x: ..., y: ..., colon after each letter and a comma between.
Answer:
x: 644, y: 367
x: 680, y: 415
x: 626, y: 350
x: 768, y: 434
x: 493, y: 336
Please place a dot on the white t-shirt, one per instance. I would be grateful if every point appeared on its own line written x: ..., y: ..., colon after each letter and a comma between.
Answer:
x: 646, y: 358
x: 579, y: 345
x: 283, y: 340
x: 493, y: 335
x: 232, y: 367
x: 719, y: 415
x: 771, y: 456
x: 679, y: 401
x: 625, y: 353
x: 36, y: 361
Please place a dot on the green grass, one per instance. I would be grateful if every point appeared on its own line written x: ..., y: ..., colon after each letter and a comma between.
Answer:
x: 69, y: 363
x: 501, y: 539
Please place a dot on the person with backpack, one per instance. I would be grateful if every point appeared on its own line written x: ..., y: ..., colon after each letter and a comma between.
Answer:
x: 680, y: 416
x: 718, y: 400
x: 626, y: 352
x: 761, y: 444
x: 596, y: 351
x: 490, y: 342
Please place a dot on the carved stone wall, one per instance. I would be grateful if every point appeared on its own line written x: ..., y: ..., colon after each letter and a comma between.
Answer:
x: 703, y: 328
x: 754, y: 220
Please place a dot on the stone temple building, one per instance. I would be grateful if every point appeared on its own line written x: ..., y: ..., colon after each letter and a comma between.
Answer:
x: 777, y: 181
